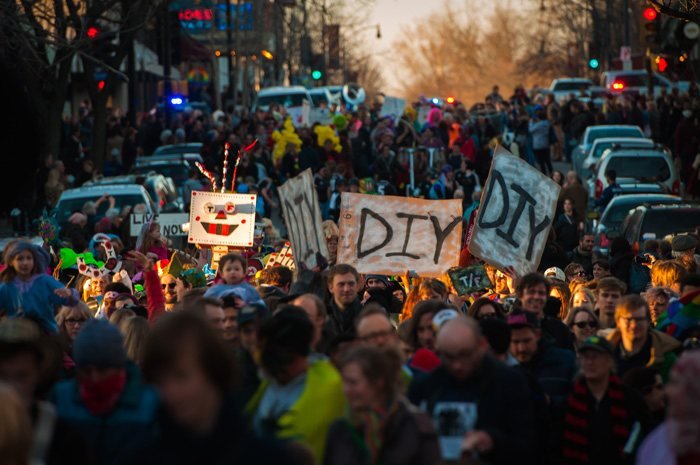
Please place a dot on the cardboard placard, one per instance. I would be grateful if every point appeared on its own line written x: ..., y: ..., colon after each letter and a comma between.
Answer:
x: 170, y: 223
x: 393, y: 107
x: 285, y: 257
x: 302, y: 216
x: 470, y: 279
x: 392, y: 235
x: 222, y: 219
x: 516, y: 212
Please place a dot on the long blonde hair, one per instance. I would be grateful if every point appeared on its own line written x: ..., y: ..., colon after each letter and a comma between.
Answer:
x: 15, y: 428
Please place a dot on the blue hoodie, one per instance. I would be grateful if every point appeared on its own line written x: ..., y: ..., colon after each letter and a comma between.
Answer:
x: 34, y: 299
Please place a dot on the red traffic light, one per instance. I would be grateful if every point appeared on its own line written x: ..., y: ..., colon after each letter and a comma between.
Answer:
x: 662, y: 64
x: 650, y: 14
x: 92, y: 32
x: 100, y: 86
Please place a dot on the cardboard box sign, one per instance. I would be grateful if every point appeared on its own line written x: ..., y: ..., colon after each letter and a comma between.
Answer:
x: 517, y: 209
x: 170, y: 223
x: 302, y: 216
x: 469, y: 280
x: 392, y: 235
x: 222, y: 219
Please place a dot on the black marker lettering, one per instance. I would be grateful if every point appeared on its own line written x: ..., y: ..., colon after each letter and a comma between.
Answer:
x: 535, y: 230
x: 363, y: 219
x: 495, y: 177
x: 441, y: 234
x: 524, y: 198
x: 409, y: 223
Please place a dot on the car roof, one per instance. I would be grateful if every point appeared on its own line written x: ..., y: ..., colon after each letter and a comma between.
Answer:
x: 612, y: 126
x: 162, y: 162
x: 277, y: 90
x: 625, y: 140
x: 572, y: 79
x: 98, y: 190
x: 634, y: 152
x: 642, y: 198
x: 670, y: 206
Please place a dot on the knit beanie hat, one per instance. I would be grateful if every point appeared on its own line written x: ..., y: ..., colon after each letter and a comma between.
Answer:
x: 99, y: 344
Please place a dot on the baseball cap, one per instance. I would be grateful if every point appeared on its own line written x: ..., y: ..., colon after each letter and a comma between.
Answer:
x: 597, y: 343
x: 520, y: 319
x: 683, y: 242
x: 555, y: 273
x: 442, y: 317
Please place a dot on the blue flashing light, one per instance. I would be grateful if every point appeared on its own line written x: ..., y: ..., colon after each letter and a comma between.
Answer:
x: 176, y: 101
x: 435, y: 100
x: 593, y: 63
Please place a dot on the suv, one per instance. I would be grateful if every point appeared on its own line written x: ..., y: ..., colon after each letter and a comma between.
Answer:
x: 592, y: 133
x: 189, y: 150
x: 636, y: 82
x: 72, y: 200
x: 159, y: 188
x: 608, y: 227
x: 601, y: 145
x: 638, y: 171
x: 563, y: 87
x: 658, y: 221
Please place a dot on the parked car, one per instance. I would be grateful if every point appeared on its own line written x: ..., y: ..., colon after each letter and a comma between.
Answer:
x: 600, y: 145
x: 649, y: 222
x: 177, y: 170
x: 286, y: 96
x: 161, y: 189
x: 638, y: 170
x: 189, y: 150
x: 73, y: 200
x: 563, y: 87
x: 637, y: 82
x: 592, y: 133
x: 609, y: 225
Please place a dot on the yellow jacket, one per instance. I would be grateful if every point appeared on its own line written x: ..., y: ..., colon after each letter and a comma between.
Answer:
x: 320, y: 404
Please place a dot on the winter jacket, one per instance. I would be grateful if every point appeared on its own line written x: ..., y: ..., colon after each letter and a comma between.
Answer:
x: 539, y: 130
x: 34, y: 299
x: 555, y: 369
x: 342, y: 321
x: 495, y: 399
x: 662, y: 353
x: 230, y: 442
x: 408, y: 438
x: 583, y: 259
x: 566, y: 228
x: 115, y: 436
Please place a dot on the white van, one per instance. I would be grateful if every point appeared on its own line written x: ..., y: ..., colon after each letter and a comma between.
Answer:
x: 288, y: 97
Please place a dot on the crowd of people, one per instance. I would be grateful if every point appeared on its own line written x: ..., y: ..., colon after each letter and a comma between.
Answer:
x: 114, y: 350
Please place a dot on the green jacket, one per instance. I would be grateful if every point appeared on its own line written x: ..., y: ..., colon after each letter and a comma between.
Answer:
x: 320, y: 404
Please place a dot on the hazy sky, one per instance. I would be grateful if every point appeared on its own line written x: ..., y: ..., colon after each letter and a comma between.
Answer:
x: 391, y: 15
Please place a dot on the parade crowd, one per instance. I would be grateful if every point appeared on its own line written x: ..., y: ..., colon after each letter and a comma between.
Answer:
x: 156, y: 357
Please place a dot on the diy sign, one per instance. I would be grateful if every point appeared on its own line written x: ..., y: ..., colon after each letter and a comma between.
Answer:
x: 222, y: 219
x: 392, y: 235
x: 285, y: 257
x: 393, y: 107
x: 170, y: 223
x: 302, y: 216
x: 516, y: 211
x: 470, y: 279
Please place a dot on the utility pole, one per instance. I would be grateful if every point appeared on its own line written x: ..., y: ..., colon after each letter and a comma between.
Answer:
x: 131, y: 73
x: 167, y: 84
x: 626, y: 20
x: 229, y: 52
x: 237, y: 48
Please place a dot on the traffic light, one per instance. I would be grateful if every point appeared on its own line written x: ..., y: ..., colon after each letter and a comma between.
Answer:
x: 593, y: 63
x: 661, y: 64
x: 93, y: 32
x: 318, y: 65
x: 651, y: 25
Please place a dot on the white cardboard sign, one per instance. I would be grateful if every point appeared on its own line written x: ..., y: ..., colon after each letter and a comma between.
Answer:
x: 392, y: 235
x: 302, y: 216
x: 170, y: 223
x: 393, y: 107
x: 516, y: 212
x: 222, y: 219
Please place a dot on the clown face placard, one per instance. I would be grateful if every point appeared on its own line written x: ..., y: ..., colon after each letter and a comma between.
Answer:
x: 222, y: 219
